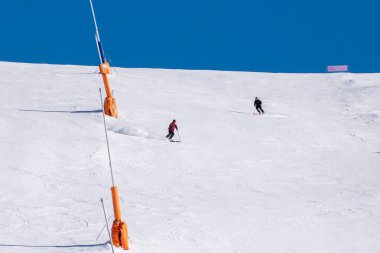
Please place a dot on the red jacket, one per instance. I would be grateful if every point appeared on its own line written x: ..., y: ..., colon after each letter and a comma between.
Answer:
x: 172, y: 126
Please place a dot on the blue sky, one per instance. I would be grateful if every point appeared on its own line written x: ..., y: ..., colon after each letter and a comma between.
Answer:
x: 247, y: 35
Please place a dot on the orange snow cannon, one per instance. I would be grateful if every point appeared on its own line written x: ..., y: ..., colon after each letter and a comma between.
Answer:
x: 119, y: 231
x: 110, y: 107
x: 109, y: 103
x: 119, y: 228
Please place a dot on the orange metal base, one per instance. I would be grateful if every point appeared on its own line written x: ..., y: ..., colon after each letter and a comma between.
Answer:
x: 115, y: 231
x: 124, y: 235
x: 119, y: 228
x: 110, y: 107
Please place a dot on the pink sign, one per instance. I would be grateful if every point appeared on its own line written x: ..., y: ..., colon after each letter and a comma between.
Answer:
x: 338, y: 68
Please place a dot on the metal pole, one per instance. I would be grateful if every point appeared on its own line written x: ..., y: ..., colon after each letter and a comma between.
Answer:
x: 97, y: 36
x: 96, y: 25
x: 101, y: 231
x: 108, y: 229
x: 97, y: 46
x: 105, y: 130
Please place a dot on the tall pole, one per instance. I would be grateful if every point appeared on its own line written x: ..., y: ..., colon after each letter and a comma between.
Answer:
x: 93, y: 15
x: 108, y: 229
x: 97, y: 36
x: 97, y: 46
x: 110, y: 107
x: 105, y: 130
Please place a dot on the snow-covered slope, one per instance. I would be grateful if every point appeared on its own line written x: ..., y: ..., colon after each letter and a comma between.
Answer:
x: 304, y: 177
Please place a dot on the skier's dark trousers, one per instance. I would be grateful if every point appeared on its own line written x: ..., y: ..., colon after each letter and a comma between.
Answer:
x: 171, y: 128
x: 170, y: 135
x: 258, y: 105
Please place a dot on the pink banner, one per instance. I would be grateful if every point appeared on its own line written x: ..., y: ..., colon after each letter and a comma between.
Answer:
x: 339, y: 68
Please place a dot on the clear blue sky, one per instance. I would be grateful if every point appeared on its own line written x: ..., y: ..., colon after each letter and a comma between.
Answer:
x: 249, y: 35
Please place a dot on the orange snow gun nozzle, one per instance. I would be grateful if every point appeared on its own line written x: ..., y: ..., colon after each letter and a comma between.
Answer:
x: 119, y: 227
x: 110, y: 107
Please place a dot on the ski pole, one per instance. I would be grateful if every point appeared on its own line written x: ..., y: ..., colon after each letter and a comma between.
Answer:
x: 179, y: 136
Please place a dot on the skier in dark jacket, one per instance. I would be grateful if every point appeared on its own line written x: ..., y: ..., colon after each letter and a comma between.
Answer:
x: 258, y: 105
x: 171, y: 129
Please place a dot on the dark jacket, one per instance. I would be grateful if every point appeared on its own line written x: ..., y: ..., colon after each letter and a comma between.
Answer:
x: 258, y: 102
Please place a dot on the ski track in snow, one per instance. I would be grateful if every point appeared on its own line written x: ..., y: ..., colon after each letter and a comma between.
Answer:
x: 303, y: 177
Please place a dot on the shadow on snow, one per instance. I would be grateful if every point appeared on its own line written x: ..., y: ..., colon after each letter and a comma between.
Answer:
x: 62, y: 111
x: 56, y: 246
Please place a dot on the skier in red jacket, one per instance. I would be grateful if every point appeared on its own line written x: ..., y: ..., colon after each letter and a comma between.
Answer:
x: 171, y: 129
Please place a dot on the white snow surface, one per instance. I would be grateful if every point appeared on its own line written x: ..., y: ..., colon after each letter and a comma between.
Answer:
x: 303, y: 177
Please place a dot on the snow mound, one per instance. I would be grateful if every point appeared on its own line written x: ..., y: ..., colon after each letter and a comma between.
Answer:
x: 124, y: 127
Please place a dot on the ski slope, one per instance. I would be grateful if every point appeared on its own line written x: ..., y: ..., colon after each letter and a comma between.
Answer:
x: 304, y: 177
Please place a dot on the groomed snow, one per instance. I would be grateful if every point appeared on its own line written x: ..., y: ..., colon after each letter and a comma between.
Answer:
x: 304, y: 177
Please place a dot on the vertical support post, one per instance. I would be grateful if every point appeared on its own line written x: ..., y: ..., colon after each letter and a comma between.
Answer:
x: 97, y: 36
x: 103, y: 70
x: 105, y: 132
x: 116, y: 204
x: 108, y: 229
x: 110, y: 107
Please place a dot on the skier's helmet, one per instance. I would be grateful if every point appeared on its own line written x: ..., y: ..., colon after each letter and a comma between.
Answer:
x: 173, y: 120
